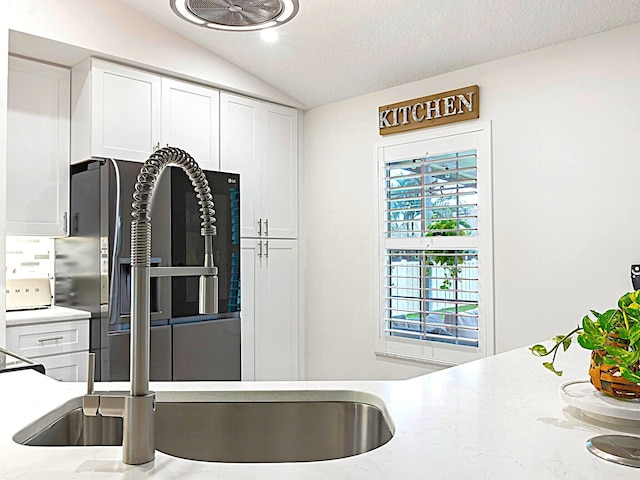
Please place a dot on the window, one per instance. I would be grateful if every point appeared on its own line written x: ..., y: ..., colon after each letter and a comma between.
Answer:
x: 435, y: 248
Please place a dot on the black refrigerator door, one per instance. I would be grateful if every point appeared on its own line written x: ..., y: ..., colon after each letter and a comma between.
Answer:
x: 207, y: 350
x: 187, y: 245
x: 119, y: 180
x: 159, y: 355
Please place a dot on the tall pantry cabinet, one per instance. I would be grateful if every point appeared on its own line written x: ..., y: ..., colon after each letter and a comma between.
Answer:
x: 259, y: 141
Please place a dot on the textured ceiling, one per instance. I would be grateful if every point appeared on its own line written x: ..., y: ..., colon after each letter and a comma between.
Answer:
x: 335, y: 50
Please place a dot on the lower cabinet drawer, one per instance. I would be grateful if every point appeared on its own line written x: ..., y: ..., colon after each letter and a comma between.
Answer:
x: 69, y: 367
x: 42, y: 339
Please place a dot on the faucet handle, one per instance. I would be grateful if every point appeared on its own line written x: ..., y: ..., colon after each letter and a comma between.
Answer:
x: 90, y: 405
x: 91, y: 401
x: 91, y: 373
x: 113, y: 405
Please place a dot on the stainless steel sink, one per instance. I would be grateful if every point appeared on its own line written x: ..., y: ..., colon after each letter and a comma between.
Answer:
x: 236, y: 431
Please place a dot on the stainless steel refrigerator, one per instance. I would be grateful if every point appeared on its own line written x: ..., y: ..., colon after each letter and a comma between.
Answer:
x: 92, y: 271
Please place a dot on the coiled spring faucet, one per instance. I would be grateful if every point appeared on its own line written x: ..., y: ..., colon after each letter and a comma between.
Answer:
x: 137, y: 408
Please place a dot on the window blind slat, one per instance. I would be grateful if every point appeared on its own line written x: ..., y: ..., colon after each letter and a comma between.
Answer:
x: 440, y: 186
x: 431, y: 324
x: 430, y: 160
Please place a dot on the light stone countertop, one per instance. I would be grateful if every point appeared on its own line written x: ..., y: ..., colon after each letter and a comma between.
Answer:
x: 497, y: 418
x: 44, y: 315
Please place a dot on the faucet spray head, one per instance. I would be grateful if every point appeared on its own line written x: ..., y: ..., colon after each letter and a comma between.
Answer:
x: 208, y: 298
x: 208, y: 293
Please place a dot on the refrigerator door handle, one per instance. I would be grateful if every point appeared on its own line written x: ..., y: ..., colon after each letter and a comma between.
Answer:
x: 114, y: 284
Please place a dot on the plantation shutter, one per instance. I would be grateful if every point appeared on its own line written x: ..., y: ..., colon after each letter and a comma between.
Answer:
x: 430, y: 253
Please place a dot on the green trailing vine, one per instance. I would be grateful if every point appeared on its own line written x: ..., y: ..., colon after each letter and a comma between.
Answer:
x: 614, y: 335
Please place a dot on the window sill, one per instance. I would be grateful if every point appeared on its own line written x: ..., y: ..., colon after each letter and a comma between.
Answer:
x: 414, y: 359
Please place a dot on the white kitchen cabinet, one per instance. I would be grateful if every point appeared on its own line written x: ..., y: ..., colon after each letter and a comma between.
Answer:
x: 270, y: 321
x: 70, y: 367
x: 115, y: 112
x: 249, y: 274
x: 259, y: 141
x: 125, y: 113
x: 239, y: 153
x: 280, y: 171
x: 62, y: 347
x: 37, y: 148
x: 191, y: 121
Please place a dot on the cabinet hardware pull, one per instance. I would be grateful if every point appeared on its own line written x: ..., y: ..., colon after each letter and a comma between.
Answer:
x: 266, y: 227
x: 259, y: 227
x: 260, y: 249
x: 50, y: 339
x: 266, y: 244
x: 65, y: 227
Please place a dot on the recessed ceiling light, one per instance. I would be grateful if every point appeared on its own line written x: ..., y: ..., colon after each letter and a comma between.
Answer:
x: 235, y: 15
x: 269, y: 35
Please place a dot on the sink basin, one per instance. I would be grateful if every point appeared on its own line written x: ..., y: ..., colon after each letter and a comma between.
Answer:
x: 263, y: 431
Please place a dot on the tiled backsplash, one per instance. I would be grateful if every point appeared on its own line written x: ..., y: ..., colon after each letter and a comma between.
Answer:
x: 29, y: 256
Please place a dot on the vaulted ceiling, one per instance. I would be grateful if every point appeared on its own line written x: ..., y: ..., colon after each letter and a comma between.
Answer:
x: 333, y: 50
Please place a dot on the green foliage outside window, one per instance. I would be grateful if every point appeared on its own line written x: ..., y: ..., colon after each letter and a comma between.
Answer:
x: 444, y: 258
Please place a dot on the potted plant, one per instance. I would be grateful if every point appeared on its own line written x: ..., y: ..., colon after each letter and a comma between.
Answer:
x: 614, y: 340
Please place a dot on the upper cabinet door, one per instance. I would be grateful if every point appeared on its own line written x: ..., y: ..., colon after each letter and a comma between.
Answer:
x: 37, y: 148
x: 239, y: 153
x: 280, y: 171
x: 259, y: 141
x: 190, y: 121
x: 115, y: 112
x: 126, y: 116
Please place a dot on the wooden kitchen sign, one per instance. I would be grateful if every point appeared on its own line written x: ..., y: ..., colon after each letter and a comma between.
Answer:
x: 447, y: 107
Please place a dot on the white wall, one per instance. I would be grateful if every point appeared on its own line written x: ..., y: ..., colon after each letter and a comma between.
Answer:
x: 4, y: 38
x: 566, y: 160
x: 115, y: 31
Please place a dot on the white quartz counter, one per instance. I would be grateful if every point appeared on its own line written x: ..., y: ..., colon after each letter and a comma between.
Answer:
x: 498, y: 418
x: 43, y: 315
